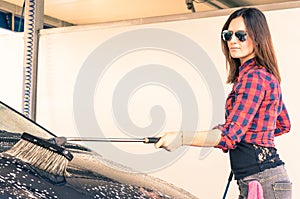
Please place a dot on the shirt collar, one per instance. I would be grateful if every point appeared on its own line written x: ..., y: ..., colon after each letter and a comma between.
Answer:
x: 245, y: 67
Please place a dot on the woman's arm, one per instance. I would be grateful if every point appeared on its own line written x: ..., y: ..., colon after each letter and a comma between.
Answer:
x: 172, y: 140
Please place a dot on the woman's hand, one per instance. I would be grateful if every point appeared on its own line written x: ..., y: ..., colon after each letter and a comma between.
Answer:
x: 170, y: 141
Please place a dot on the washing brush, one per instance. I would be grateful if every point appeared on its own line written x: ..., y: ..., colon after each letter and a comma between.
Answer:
x: 42, y: 154
x: 51, y: 156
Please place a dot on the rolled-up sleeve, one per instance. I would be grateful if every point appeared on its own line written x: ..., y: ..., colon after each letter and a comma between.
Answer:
x: 283, y: 124
x: 249, y: 93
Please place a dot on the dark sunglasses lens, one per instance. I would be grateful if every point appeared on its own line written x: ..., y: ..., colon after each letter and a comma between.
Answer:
x: 241, y: 35
x: 226, y: 35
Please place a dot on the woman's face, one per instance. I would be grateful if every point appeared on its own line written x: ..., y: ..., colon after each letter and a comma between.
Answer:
x: 242, y: 50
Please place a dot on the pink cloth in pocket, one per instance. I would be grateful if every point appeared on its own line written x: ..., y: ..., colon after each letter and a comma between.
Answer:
x: 255, y: 190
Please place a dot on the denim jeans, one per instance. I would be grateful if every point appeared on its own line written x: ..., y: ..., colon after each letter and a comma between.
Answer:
x: 275, y: 184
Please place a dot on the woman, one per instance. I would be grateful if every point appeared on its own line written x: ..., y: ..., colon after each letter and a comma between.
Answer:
x: 255, y: 112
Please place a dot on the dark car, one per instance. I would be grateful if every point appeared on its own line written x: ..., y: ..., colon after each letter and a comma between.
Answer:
x: 88, y: 174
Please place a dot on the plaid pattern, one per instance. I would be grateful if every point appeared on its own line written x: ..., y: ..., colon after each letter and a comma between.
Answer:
x: 255, y: 112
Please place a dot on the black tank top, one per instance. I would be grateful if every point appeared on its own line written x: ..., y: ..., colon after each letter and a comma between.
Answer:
x: 247, y: 159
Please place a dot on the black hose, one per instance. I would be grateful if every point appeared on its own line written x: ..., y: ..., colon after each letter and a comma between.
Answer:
x: 228, y: 183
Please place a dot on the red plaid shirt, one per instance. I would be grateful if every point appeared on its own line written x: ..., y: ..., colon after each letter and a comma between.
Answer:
x: 255, y: 112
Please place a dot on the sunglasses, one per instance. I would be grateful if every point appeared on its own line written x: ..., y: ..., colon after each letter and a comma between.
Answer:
x: 227, y: 35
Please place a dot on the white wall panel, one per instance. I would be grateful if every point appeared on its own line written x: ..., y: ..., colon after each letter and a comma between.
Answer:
x: 11, y: 58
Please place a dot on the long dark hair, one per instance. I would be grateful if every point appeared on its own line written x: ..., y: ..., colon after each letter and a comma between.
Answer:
x: 258, y: 30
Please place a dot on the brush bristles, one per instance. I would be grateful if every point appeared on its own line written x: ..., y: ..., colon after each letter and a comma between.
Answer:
x: 39, y: 157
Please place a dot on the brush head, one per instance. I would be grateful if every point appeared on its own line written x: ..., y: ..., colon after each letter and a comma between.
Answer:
x: 42, y: 154
x: 48, y: 145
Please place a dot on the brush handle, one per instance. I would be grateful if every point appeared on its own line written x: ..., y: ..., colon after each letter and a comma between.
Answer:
x: 149, y: 140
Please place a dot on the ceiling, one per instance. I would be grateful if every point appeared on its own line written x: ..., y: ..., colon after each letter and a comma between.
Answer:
x: 80, y: 12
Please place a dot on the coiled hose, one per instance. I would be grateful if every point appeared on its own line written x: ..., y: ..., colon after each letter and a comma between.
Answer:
x: 28, y: 68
